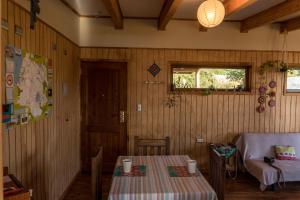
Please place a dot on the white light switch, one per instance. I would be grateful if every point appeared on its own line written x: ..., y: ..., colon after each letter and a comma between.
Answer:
x: 139, y: 107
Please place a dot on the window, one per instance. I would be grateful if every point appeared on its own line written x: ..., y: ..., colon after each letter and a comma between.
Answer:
x: 214, y: 77
x: 293, y: 80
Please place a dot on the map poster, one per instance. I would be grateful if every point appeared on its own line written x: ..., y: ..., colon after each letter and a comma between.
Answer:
x: 30, y: 80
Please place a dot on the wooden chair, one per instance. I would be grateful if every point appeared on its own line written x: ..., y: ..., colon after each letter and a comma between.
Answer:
x: 217, y: 172
x: 151, y: 146
x: 96, y: 170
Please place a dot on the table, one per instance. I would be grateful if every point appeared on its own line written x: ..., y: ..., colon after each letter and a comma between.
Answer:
x: 157, y: 184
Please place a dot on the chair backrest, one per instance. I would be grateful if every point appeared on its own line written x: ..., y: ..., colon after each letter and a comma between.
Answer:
x: 217, y: 172
x: 97, y: 162
x: 151, y: 146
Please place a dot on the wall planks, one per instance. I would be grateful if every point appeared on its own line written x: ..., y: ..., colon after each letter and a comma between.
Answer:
x: 217, y: 118
x: 45, y: 155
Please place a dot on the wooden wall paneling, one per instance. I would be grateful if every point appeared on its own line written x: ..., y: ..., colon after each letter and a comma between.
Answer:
x: 151, y: 95
x: 216, y: 118
x: 169, y: 112
x: 161, y: 96
x: 137, y: 59
x: 33, y: 152
x: 61, y: 129
x: 155, y: 97
x: 60, y: 115
x: 132, y: 75
x: 144, y: 96
x: 4, y: 9
x: 24, y: 178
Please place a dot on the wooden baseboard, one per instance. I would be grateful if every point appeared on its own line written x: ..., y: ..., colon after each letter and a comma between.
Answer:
x: 69, y: 186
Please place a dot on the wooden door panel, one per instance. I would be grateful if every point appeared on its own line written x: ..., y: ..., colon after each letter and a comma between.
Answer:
x: 104, y: 96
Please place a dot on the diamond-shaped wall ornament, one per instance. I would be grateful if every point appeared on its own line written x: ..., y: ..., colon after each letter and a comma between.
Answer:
x: 154, y: 69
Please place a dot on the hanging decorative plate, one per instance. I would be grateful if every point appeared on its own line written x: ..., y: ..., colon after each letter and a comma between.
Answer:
x: 154, y: 69
x: 272, y: 94
x: 272, y: 84
x: 262, y: 89
x: 260, y: 109
x: 261, y: 99
x: 272, y: 103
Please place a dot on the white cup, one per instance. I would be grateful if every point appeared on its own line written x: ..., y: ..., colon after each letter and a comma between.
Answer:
x: 192, y: 165
x: 127, y: 163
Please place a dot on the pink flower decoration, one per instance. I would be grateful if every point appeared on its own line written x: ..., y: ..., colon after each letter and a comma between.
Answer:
x: 272, y: 84
x: 272, y: 103
x: 262, y: 89
x: 260, y: 109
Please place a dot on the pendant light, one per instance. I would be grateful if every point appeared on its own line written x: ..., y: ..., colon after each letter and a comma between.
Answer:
x: 211, y: 13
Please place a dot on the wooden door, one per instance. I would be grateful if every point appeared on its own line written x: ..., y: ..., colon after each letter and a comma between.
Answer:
x: 103, y: 97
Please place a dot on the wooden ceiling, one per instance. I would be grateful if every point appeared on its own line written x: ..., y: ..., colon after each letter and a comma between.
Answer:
x: 250, y: 13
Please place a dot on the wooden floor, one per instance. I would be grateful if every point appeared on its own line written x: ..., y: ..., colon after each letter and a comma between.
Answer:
x: 244, y: 187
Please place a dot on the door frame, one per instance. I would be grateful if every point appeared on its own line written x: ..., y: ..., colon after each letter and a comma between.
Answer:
x: 83, y: 139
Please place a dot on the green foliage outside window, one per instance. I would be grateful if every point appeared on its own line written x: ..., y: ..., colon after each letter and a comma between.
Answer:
x: 185, y: 80
x: 211, y: 78
x: 293, y: 72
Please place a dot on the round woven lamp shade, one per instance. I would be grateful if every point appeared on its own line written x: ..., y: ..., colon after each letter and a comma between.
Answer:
x: 211, y: 13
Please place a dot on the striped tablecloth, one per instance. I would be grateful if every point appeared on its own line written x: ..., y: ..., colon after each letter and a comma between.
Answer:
x: 157, y: 184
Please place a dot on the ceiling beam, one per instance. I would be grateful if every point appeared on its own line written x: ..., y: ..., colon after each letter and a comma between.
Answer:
x: 233, y: 6
x: 168, y: 10
x: 290, y: 25
x: 114, y: 10
x: 283, y: 9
